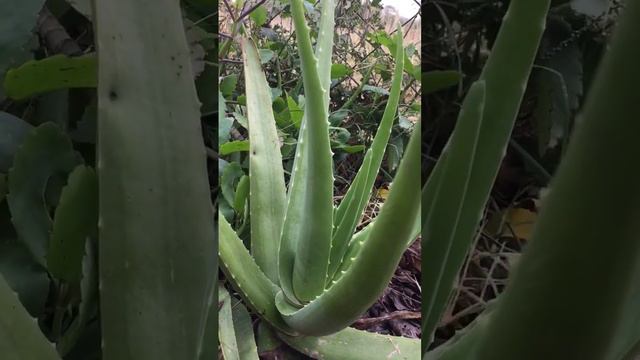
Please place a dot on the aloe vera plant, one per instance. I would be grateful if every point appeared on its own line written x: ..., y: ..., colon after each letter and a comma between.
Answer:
x: 574, y: 293
x: 313, y: 275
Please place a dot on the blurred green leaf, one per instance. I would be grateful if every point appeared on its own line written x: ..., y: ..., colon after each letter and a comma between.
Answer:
x: 275, y: 93
x: 24, y: 275
x: 242, y: 194
x: 47, y: 151
x: 437, y: 80
x: 234, y: 146
x: 237, y: 341
x: 558, y: 88
x: 230, y: 175
x: 295, y: 112
x: 49, y: 74
x: 75, y: 220
x: 351, y: 148
x: 259, y: 15
x: 395, y: 150
x: 265, y: 55
x: 17, y: 20
x: 206, y: 86
x: 228, y: 85
x: 13, y: 131
x: 339, y: 70
x: 224, y: 123
x: 336, y: 117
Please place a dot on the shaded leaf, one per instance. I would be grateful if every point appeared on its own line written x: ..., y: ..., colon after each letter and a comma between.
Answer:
x: 17, y: 20
x: 230, y: 175
x: 295, y: 112
x: 13, y: 131
x: 228, y: 84
x: 75, y: 220
x: 375, y: 89
x: 265, y: 55
x: 351, y: 149
x: 224, y: 123
x: 25, y: 276
x: 242, y: 194
x: 433, y: 81
x: 46, y: 151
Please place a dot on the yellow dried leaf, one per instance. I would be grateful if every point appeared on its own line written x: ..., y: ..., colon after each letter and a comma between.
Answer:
x: 382, y: 193
x: 514, y: 222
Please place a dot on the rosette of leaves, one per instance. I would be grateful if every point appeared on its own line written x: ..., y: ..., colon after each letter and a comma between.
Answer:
x: 308, y: 273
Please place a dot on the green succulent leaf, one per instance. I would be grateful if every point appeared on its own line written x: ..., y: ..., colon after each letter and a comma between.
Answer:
x: 355, y: 344
x: 234, y: 146
x: 600, y: 238
x: 268, y: 193
x: 151, y: 164
x: 88, y: 307
x: 75, y: 220
x: 247, y: 278
x: 445, y: 256
x: 47, y: 151
x: 522, y: 30
x: 351, y: 208
x: 305, y: 245
x: 296, y: 197
x: 53, y: 73
x: 369, y: 274
x: 242, y: 194
x: 235, y: 330
x: 437, y: 80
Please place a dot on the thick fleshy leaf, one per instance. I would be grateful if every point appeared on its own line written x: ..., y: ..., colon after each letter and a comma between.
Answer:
x: 75, y: 220
x: 590, y: 219
x: 355, y: 344
x: 355, y: 200
x: 88, y: 307
x: 370, y: 273
x: 297, y: 199
x: 505, y: 75
x: 156, y: 226
x: 247, y: 278
x: 444, y: 256
x: 268, y: 192
x: 47, y: 151
x: 437, y: 80
x: 235, y: 331
x: 49, y: 74
x: 311, y: 193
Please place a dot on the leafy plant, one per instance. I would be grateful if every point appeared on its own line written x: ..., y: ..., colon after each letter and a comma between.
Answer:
x: 567, y: 259
x: 307, y: 274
